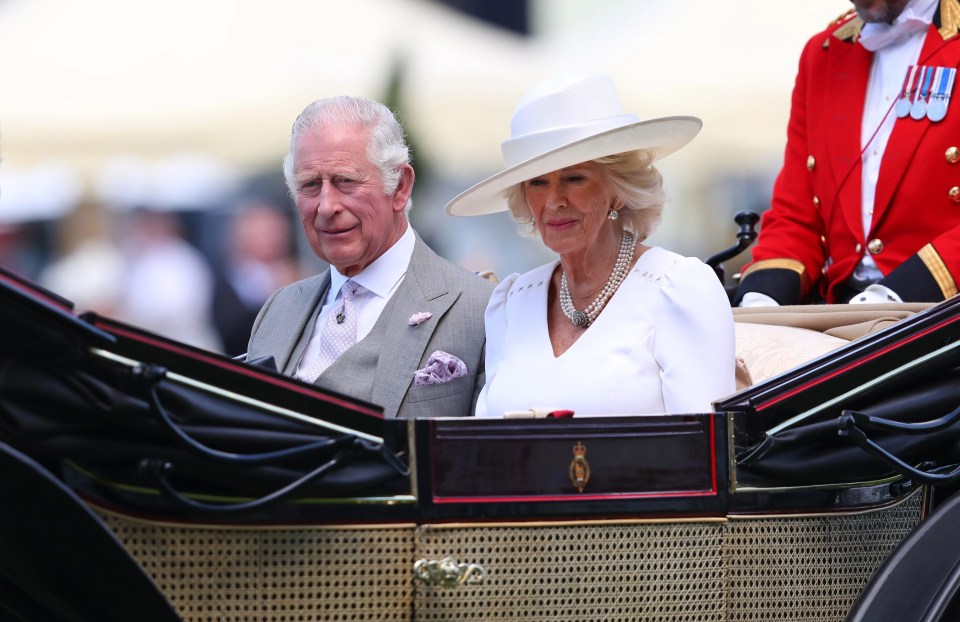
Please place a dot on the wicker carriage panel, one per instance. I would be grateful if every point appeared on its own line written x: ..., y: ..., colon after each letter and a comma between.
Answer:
x: 664, y: 572
x: 809, y: 569
x: 263, y: 575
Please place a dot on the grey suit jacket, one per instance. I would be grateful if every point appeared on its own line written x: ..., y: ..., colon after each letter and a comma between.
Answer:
x: 380, y: 368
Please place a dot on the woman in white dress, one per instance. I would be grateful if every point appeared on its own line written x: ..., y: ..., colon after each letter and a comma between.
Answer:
x: 613, y: 326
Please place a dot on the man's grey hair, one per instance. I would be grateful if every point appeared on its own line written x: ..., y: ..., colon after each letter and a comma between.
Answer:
x: 387, y: 149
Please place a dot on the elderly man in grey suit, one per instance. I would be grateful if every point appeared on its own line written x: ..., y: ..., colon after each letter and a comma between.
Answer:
x: 390, y: 322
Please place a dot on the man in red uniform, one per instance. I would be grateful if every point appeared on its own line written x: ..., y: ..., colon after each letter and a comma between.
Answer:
x: 867, y: 206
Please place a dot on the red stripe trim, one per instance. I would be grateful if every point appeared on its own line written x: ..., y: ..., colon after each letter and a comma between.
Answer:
x: 849, y: 366
x: 594, y: 497
x: 35, y: 294
x: 713, y: 453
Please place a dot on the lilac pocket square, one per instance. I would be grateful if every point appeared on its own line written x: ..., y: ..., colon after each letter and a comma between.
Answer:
x: 441, y: 367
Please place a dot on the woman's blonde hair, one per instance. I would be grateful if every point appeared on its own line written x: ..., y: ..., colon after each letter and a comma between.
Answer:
x: 635, y: 181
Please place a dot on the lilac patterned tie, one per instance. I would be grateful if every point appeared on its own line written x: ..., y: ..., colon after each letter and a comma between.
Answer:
x: 339, y: 333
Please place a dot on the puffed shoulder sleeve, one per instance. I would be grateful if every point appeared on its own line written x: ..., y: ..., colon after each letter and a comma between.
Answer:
x: 495, y: 325
x: 694, y: 339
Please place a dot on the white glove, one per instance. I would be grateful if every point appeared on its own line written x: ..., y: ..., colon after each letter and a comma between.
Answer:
x: 876, y: 294
x: 756, y: 299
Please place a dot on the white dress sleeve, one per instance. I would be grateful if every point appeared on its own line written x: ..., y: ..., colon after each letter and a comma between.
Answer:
x: 495, y: 325
x: 695, y: 345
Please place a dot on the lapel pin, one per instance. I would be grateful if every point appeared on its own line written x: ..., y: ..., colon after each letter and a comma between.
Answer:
x: 419, y: 318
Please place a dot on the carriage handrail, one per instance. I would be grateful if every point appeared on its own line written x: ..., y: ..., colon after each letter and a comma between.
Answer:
x: 745, y: 237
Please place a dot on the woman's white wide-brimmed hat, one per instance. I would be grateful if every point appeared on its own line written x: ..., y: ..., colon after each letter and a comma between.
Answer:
x: 567, y: 121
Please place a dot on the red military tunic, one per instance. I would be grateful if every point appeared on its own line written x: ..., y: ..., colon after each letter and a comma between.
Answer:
x: 812, y: 237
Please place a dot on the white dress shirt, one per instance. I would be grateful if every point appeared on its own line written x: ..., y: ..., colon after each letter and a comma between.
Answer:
x: 890, y: 63
x: 378, y: 283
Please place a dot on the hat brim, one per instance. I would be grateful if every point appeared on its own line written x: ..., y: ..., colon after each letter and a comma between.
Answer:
x: 660, y: 136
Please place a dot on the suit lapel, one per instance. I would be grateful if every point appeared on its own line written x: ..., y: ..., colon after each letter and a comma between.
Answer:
x: 423, y: 289
x: 849, y: 71
x: 299, y: 325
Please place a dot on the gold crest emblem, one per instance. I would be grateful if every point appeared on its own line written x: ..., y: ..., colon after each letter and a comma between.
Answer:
x: 579, y: 467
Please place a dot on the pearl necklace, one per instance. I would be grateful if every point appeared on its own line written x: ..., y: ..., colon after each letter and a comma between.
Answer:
x: 586, y: 317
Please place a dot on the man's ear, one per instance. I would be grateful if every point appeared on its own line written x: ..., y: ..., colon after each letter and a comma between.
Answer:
x: 402, y: 194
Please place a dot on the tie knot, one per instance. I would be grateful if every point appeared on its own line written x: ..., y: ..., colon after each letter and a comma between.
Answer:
x: 349, y: 289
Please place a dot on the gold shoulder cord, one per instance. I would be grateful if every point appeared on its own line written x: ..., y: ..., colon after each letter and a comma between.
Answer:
x: 850, y: 31
x: 949, y: 18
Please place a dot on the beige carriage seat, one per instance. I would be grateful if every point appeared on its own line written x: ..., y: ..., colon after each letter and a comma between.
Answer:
x: 772, y: 340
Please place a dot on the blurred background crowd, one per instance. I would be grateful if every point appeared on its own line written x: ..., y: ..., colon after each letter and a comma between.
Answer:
x: 141, y: 143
